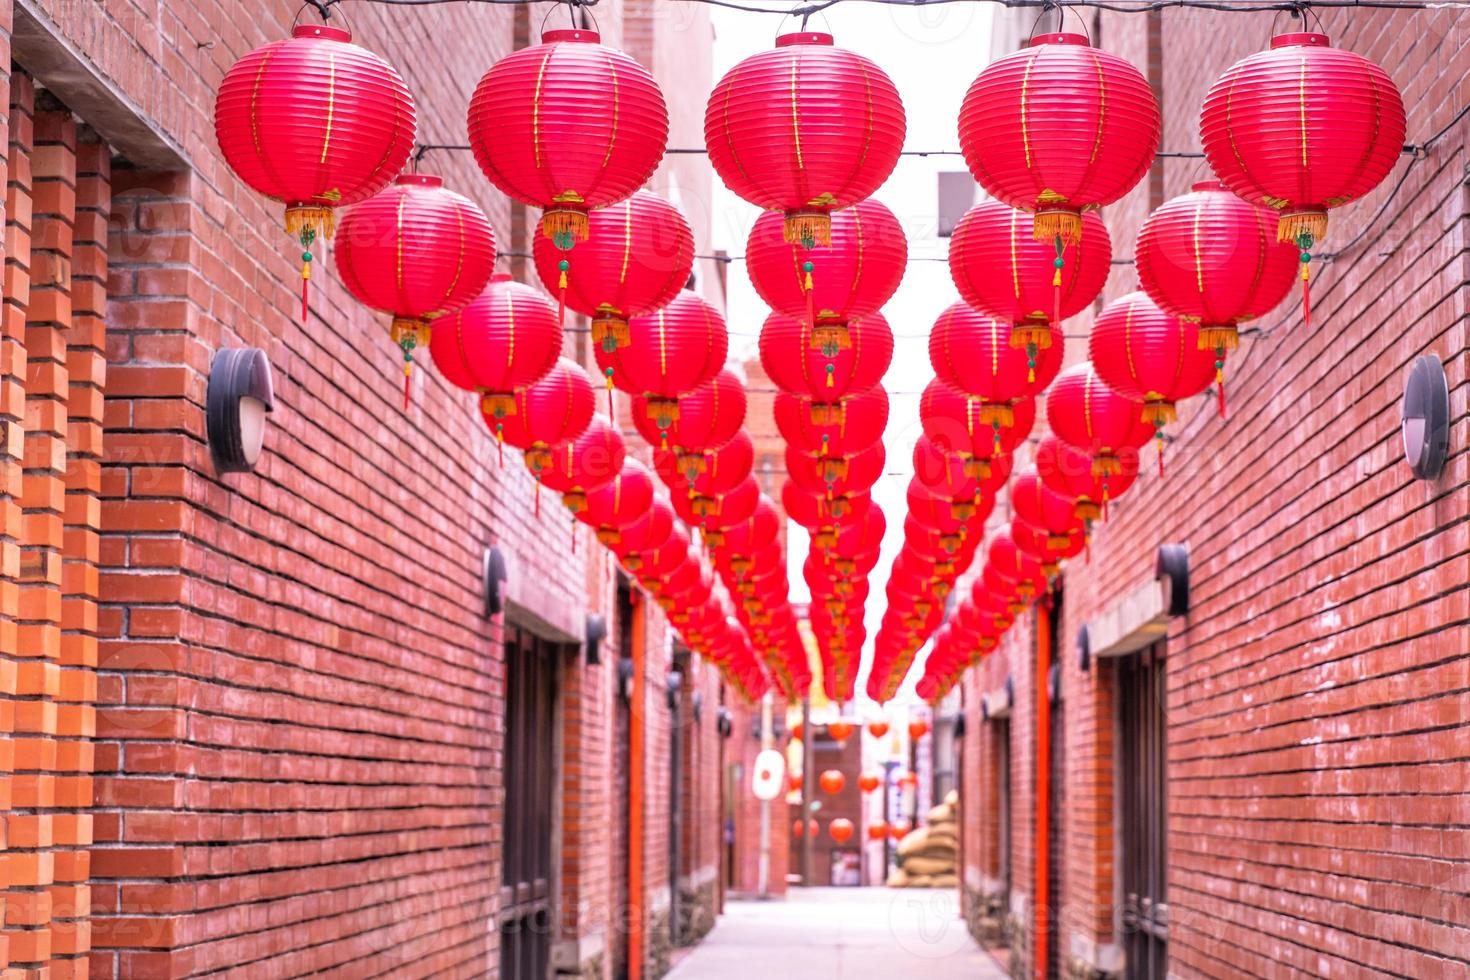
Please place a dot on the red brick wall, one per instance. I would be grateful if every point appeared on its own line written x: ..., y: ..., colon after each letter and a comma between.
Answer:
x: 1315, y: 687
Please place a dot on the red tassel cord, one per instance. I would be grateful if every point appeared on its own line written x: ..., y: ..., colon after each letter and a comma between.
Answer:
x: 1304, y: 242
x: 407, y: 378
x: 1220, y: 377
x: 1159, y: 435
x: 1058, y: 263
x: 561, y: 294
x: 308, y: 235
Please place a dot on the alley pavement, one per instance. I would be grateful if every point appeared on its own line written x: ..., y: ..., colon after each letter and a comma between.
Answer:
x: 841, y: 934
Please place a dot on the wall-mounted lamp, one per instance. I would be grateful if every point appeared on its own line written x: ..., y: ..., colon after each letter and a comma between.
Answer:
x: 673, y: 680
x: 1425, y: 418
x: 239, y: 398
x: 960, y: 725
x: 696, y: 704
x: 1171, y: 567
x: 724, y: 722
x: 625, y: 678
x: 1084, y: 649
x: 596, y: 632
x: 493, y: 576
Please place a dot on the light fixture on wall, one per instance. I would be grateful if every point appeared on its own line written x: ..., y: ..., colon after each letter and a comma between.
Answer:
x: 596, y: 633
x: 494, y: 575
x: 239, y: 398
x: 1425, y: 417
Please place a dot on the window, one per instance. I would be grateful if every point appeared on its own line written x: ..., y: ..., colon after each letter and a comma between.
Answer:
x: 1143, y: 808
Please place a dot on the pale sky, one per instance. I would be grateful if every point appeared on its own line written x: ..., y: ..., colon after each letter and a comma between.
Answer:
x: 932, y: 54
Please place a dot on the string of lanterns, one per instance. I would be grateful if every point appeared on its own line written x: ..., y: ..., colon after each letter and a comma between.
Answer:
x: 808, y: 131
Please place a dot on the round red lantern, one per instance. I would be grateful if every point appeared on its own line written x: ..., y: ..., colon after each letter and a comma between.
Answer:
x: 1211, y: 258
x: 956, y: 478
x: 556, y: 409
x: 869, y: 781
x: 1016, y: 566
x: 841, y: 830
x: 568, y: 126
x: 418, y: 251
x: 1050, y: 550
x: 317, y: 123
x: 877, y: 729
x: 813, y: 511
x: 1068, y: 471
x: 972, y: 351
x: 805, y: 129
x: 840, y: 730
x: 624, y: 500
x: 709, y: 416
x: 711, y: 473
x: 637, y: 258
x: 586, y: 463
x: 1302, y: 128
x: 950, y: 418
x: 794, y: 365
x: 712, y: 513
x: 842, y: 476
x: 877, y: 830
x: 1149, y: 356
x: 832, y: 781
x: 645, y: 534
x: 1000, y: 268
x: 505, y: 339
x: 828, y: 285
x: 1059, y: 128
x: 861, y: 423
x: 1042, y: 507
x: 1087, y: 414
x: 670, y: 352
x: 917, y: 730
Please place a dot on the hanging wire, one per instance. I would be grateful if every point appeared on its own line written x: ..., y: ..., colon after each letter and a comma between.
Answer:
x: 806, y: 11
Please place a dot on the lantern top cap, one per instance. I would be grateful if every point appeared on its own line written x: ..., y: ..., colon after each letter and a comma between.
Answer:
x: 324, y: 31
x: 804, y: 37
x: 1300, y: 39
x: 1207, y: 185
x: 501, y: 277
x: 419, y: 180
x: 576, y: 34
x: 1077, y: 40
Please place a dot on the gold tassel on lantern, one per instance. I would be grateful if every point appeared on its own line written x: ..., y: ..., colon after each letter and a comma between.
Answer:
x: 830, y: 338
x: 1106, y: 464
x: 1052, y: 223
x: 609, y: 329
x: 1291, y: 227
x: 1087, y: 510
x: 996, y: 414
x: 1157, y: 411
x: 565, y: 226
x: 609, y: 536
x: 977, y: 468
x: 663, y: 412
x: 808, y: 228
x: 1219, y: 336
x: 497, y: 404
x: 827, y: 413
x: 575, y: 501
x: 315, y: 218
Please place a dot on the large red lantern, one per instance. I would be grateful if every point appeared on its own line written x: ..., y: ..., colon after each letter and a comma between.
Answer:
x: 1059, y: 128
x: 1211, y: 258
x: 717, y: 472
x: 1015, y: 565
x: 1042, y: 507
x: 794, y: 365
x: 624, y: 500
x: 1000, y: 268
x: 1049, y: 549
x: 568, y: 126
x: 832, y: 781
x: 709, y: 417
x: 418, y: 251
x: 971, y: 351
x: 712, y: 515
x: 1302, y: 128
x: 829, y: 285
x: 317, y: 123
x: 1087, y: 414
x: 841, y: 830
x: 648, y: 532
x: 1149, y: 356
x: 1068, y: 471
x: 863, y: 418
x: 842, y: 476
x: 554, y: 410
x: 805, y: 129
x: 951, y: 420
x: 505, y: 339
x: 670, y: 352
x: 589, y: 462
x: 637, y: 258
x: 959, y: 479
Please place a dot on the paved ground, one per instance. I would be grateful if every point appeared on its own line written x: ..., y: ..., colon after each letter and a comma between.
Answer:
x: 841, y: 934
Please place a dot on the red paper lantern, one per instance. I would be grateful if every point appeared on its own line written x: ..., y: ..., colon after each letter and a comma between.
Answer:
x: 1149, y: 356
x: 586, y: 463
x: 647, y: 533
x: 1015, y: 565
x: 794, y: 365
x: 862, y: 419
x: 1058, y: 128
x: 1050, y: 550
x: 709, y: 416
x: 626, y: 499
x: 1302, y: 128
x: 868, y: 781
x: 840, y: 730
x: 1069, y: 472
x: 841, y: 830
x: 1210, y: 258
x: 812, y: 510
x: 418, y: 251
x: 670, y: 352
x: 718, y: 471
x: 972, y: 351
x: 956, y: 478
x: 832, y: 781
x: 637, y: 258
x: 877, y: 830
x: 505, y: 339
x: 951, y: 420
x: 713, y: 513
x: 917, y: 730
x: 556, y: 409
x: 317, y: 123
x: 1000, y: 268
x: 829, y: 285
x: 1085, y: 413
x: 877, y: 729
x: 805, y: 129
x: 843, y: 476
x: 812, y: 827
x: 1042, y: 507
x: 899, y: 829
x: 568, y: 126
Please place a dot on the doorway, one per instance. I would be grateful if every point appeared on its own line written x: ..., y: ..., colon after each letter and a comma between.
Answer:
x: 527, y: 875
x: 1143, y: 811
